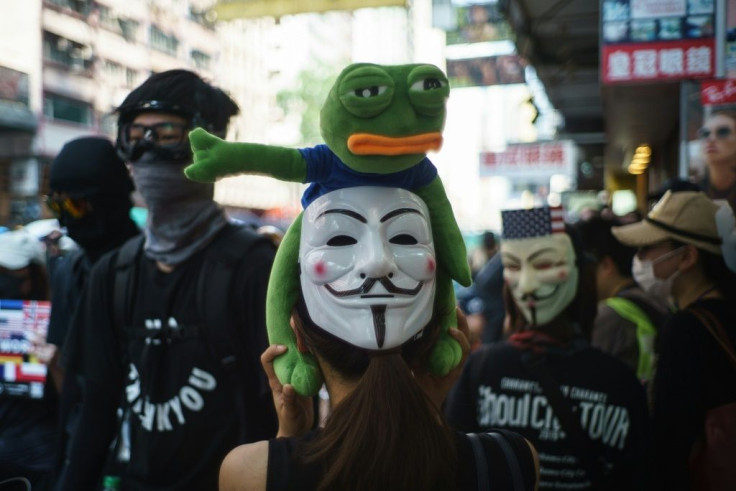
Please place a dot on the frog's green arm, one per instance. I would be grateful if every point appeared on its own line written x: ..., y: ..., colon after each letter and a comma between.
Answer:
x: 214, y: 157
x: 448, y: 241
x: 295, y: 368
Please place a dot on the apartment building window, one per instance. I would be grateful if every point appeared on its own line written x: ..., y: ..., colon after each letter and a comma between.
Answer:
x: 82, y: 7
x: 112, y: 21
x: 60, y: 108
x: 60, y: 50
x: 115, y: 72
x: 201, y: 59
x: 163, y: 42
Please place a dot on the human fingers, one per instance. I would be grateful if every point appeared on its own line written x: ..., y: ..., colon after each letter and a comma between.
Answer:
x: 267, y: 362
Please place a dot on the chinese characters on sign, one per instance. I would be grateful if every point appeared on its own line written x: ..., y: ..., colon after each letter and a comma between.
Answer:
x: 530, y: 160
x: 718, y: 92
x: 648, y: 40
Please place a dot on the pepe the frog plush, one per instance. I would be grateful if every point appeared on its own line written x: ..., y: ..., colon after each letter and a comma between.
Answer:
x: 378, y: 123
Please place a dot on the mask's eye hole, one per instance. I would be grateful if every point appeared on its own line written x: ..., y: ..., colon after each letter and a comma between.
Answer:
x: 373, y: 91
x: 341, y: 240
x: 429, y: 83
x: 403, y: 239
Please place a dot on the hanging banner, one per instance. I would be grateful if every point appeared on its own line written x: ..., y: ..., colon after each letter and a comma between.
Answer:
x: 243, y: 9
x: 485, y: 71
x: 22, y: 324
x: 718, y: 92
x: 530, y: 160
x: 653, y: 40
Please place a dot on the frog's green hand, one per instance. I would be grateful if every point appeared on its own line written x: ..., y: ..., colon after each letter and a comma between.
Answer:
x: 295, y: 368
x: 214, y: 157
x: 446, y: 352
x: 448, y: 241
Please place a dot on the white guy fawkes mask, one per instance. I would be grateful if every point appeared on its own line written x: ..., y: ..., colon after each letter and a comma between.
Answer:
x: 541, y: 274
x: 368, y: 265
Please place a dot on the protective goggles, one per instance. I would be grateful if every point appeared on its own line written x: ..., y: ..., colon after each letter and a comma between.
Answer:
x: 64, y: 205
x: 719, y: 133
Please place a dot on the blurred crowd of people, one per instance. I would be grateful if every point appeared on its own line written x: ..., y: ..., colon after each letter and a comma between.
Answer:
x: 599, y: 353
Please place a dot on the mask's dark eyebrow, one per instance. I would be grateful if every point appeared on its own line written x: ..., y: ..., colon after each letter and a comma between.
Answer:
x: 540, y: 252
x: 349, y: 213
x: 399, y: 211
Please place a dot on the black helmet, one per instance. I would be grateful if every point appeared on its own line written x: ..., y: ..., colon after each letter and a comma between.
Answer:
x: 179, y: 92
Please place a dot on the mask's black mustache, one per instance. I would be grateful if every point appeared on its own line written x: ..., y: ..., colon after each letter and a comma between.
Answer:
x: 370, y: 282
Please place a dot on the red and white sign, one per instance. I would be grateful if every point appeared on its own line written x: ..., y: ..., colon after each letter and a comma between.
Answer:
x: 717, y: 92
x: 654, y: 9
x: 541, y: 159
x: 645, y: 62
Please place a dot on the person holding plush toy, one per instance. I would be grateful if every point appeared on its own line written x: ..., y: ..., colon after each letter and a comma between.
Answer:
x: 368, y: 280
x: 378, y: 123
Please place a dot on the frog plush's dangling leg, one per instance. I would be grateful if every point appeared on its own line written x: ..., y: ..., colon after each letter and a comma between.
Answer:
x: 446, y: 352
x: 295, y: 368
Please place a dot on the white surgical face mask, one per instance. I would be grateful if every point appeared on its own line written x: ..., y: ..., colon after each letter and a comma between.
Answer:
x: 368, y: 265
x: 643, y: 273
x: 541, y: 274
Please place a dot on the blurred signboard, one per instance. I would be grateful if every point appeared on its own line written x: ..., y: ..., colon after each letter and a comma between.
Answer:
x: 240, y: 9
x: 718, y: 92
x: 22, y: 374
x: 529, y: 160
x: 651, y: 40
x: 487, y: 70
x: 470, y: 22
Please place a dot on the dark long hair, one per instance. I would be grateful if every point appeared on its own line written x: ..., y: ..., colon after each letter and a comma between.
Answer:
x: 583, y: 308
x: 386, y: 434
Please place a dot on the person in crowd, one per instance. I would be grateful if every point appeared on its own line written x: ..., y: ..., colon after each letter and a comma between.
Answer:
x: 90, y: 191
x: 718, y: 139
x: 483, y: 303
x: 172, y: 323
x: 367, y: 280
x: 27, y: 425
x: 628, y: 318
x: 584, y: 411
x: 679, y: 256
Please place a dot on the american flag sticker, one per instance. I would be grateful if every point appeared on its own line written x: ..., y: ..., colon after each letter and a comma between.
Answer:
x: 534, y: 222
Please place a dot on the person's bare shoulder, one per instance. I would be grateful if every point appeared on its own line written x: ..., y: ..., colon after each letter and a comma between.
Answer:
x: 245, y: 468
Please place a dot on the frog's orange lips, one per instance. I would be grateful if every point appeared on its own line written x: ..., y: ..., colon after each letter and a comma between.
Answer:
x: 370, y: 144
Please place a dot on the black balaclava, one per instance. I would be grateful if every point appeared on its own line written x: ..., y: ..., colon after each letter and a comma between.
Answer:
x: 89, y: 168
x: 183, y: 217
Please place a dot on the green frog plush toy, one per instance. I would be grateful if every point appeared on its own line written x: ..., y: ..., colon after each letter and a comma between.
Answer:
x: 378, y: 123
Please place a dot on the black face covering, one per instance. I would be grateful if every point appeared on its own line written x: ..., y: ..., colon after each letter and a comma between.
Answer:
x: 101, y: 229
x: 10, y: 287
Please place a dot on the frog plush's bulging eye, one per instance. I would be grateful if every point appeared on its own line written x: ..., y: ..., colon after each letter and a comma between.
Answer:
x: 429, y: 83
x: 372, y: 91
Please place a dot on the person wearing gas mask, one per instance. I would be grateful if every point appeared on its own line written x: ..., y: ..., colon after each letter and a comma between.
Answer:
x: 27, y: 425
x: 583, y: 410
x: 367, y: 284
x: 90, y: 190
x: 680, y: 257
x: 175, y: 320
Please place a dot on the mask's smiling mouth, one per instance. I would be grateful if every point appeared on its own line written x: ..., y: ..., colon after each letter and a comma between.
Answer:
x: 370, y: 144
x: 368, y: 284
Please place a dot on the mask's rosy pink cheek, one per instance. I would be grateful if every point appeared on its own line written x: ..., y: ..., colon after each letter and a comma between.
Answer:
x: 431, y: 265
x: 562, y: 275
x: 319, y: 269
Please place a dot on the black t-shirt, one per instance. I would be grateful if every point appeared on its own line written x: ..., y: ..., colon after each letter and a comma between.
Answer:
x: 496, y: 390
x: 693, y: 375
x: 183, y: 408
x: 285, y: 472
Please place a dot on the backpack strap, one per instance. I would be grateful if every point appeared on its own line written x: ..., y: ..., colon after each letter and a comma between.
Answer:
x: 646, y: 333
x: 716, y: 330
x: 481, y: 466
x: 126, y: 272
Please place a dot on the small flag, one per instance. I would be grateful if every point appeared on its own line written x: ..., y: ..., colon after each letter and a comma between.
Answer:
x: 535, y: 222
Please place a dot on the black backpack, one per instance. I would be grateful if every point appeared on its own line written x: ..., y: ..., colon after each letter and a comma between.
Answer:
x: 213, y: 294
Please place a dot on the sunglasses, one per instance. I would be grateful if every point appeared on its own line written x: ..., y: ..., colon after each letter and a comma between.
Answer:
x: 65, y: 205
x: 720, y: 133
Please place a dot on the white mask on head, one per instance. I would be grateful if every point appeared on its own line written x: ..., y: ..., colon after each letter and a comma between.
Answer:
x: 643, y: 274
x: 368, y: 265
x: 541, y: 274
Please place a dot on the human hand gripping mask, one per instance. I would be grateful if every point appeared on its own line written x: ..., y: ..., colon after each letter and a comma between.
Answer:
x: 538, y: 263
x: 368, y: 265
x: 378, y: 123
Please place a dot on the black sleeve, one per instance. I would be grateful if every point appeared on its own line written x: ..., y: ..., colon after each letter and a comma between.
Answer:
x: 100, y: 372
x: 249, y: 294
x: 460, y: 405
x: 60, y: 309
